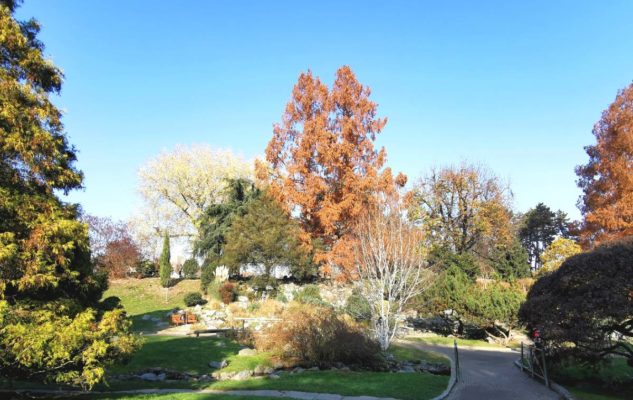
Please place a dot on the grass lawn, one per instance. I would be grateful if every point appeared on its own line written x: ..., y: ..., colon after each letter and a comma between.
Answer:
x: 184, y: 354
x: 609, y: 382
x: 172, y: 396
x: 142, y: 297
x: 403, y: 353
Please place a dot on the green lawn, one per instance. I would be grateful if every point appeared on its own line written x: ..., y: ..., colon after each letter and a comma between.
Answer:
x: 404, y: 353
x: 172, y: 396
x: 184, y: 354
x: 142, y: 297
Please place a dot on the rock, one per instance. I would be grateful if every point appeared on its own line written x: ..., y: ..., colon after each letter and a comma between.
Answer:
x: 220, y: 344
x: 260, y: 370
x: 268, y: 370
x: 149, y: 376
x: 274, y: 376
x: 223, y: 376
x: 407, y: 368
x: 333, y: 369
x: 218, y: 364
x: 313, y: 369
x: 242, y: 375
x: 297, y: 370
x: 247, y: 352
x: 205, y: 378
x: 278, y: 364
x: 345, y: 369
x: 242, y: 299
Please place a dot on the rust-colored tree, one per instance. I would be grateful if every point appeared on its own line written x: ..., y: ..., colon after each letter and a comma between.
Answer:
x: 606, y: 180
x: 323, y: 165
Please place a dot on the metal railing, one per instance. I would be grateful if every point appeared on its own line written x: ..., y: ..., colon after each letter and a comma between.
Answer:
x: 533, y: 361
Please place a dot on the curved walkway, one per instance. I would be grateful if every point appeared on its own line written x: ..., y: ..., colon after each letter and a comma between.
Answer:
x: 491, y: 374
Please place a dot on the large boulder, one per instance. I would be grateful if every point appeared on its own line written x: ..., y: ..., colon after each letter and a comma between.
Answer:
x: 247, y: 352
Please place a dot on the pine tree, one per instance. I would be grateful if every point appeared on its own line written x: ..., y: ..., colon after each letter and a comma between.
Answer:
x: 165, y: 264
x: 52, y: 324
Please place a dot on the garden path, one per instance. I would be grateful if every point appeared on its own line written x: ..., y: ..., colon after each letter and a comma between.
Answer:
x: 490, y: 374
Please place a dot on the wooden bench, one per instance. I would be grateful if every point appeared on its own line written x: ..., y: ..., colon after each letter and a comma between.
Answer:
x: 197, y: 332
x: 183, y: 319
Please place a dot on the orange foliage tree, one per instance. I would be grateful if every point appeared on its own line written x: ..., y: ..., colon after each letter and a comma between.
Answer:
x: 606, y: 180
x: 323, y: 166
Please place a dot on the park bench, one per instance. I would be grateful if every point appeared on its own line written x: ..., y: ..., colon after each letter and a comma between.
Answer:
x: 183, y: 319
x: 197, y: 332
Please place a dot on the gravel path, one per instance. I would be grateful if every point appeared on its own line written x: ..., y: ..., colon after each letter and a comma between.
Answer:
x: 490, y: 374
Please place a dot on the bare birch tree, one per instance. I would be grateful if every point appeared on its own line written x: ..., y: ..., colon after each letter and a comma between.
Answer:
x: 391, y: 267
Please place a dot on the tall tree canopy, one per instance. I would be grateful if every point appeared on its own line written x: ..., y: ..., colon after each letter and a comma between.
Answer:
x: 606, y: 180
x: 51, y: 323
x: 465, y: 208
x: 539, y: 227
x: 322, y: 162
x: 178, y: 186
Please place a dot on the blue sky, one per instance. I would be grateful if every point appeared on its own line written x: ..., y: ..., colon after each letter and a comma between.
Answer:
x: 515, y: 85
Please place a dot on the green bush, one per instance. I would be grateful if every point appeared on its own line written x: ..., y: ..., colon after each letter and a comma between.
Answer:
x: 193, y: 299
x: 207, y: 275
x: 281, y: 297
x: 213, y: 290
x: 190, y: 269
x: 357, y: 306
x: 309, y: 294
x: 146, y: 269
x: 261, y: 283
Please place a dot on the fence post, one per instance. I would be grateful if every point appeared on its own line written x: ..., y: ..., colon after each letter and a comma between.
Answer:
x: 522, y: 356
x: 457, y: 368
x: 532, y: 361
x: 544, y: 368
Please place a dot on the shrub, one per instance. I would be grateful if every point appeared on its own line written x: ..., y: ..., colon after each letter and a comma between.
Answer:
x: 585, y: 304
x: 310, y: 294
x: 110, y: 303
x: 146, y: 269
x: 262, y: 283
x: 190, y: 269
x: 227, y: 292
x: 193, y: 299
x: 357, y: 306
x: 206, y: 276
x: 281, y: 297
x: 213, y: 290
x: 319, y: 336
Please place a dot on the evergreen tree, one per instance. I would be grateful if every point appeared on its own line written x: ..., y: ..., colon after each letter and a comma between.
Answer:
x: 165, y: 264
x: 52, y: 326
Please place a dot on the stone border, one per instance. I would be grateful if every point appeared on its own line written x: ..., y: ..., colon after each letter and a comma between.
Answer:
x: 553, y: 386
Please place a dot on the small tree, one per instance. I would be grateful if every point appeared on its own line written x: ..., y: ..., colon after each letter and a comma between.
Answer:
x: 390, y: 267
x: 266, y: 235
x: 165, y: 264
x: 190, y: 268
x: 557, y: 252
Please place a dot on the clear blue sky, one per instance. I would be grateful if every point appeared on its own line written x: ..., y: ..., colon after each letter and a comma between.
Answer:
x: 517, y: 85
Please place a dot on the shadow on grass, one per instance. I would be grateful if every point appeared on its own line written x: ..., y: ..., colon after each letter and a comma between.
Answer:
x: 183, y: 354
x: 150, y: 322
